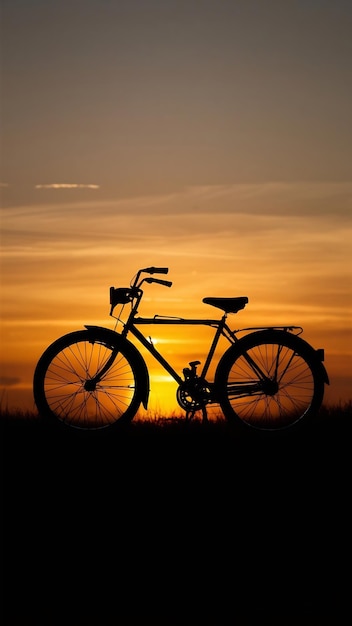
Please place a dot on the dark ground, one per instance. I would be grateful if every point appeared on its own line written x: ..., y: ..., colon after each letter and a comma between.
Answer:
x: 176, y: 526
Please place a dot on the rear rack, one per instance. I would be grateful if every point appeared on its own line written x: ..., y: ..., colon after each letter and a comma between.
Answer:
x: 299, y: 329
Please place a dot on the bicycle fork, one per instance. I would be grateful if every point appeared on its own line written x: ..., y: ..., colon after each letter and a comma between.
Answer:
x: 91, y: 383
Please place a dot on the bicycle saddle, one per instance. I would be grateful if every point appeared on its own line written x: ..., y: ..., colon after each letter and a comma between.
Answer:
x: 229, y: 305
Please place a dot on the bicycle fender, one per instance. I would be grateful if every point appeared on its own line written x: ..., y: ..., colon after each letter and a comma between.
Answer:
x: 115, y: 339
x: 317, y: 356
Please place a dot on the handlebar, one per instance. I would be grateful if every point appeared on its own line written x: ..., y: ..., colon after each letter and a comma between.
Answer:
x: 166, y: 283
x: 133, y: 294
x: 149, y: 270
x: 155, y: 270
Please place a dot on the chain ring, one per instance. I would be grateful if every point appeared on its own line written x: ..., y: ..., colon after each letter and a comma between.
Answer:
x: 187, y: 391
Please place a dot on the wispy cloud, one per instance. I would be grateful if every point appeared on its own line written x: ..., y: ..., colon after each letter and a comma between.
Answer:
x: 2, y: 185
x: 67, y: 186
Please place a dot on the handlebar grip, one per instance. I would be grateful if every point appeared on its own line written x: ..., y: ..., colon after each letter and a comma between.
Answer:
x: 156, y: 270
x: 166, y: 283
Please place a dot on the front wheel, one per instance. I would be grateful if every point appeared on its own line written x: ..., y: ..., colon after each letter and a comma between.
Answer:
x: 87, y: 380
x: 269, y: 380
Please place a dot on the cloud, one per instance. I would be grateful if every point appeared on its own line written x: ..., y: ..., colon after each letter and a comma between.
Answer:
x: 3, y: 185
x: 67, y: 186
x: 275, y: 199
x: 309, y: 215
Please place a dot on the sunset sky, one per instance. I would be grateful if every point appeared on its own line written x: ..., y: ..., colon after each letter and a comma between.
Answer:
x: 212, y: 137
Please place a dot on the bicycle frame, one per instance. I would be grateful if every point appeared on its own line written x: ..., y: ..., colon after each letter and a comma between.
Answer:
x: 222, y: 329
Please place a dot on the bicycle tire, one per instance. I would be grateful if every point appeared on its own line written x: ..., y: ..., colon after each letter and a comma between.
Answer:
x: 282, y: 356
x: 64, y: 369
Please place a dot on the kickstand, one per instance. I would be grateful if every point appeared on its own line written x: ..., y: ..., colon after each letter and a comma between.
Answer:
x: 204, y: 415
x: 190, y: 415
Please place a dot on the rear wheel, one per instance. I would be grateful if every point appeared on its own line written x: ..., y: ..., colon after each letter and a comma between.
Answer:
x: 269, y: 380
x: 84, y: 380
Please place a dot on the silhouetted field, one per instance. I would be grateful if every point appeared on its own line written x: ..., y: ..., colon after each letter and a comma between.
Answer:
x: 175, y: 524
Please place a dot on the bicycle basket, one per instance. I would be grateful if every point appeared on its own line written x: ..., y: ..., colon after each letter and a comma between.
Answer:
x: 120, y: 295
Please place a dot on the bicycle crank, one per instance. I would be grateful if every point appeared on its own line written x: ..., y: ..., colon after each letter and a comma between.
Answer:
x: 193, y: 395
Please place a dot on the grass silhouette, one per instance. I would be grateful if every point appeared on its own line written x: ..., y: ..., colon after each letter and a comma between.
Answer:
x: 176, y: 524
x: 342, y: 410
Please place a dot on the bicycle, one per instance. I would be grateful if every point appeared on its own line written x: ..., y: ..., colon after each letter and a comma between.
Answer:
x: 269, y: 378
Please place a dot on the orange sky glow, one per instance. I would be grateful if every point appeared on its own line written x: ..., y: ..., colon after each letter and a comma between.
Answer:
x: 211, y: 138
x: 263, y: 241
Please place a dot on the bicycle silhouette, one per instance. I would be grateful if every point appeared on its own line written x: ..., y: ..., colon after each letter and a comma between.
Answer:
x: 270, y: 378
